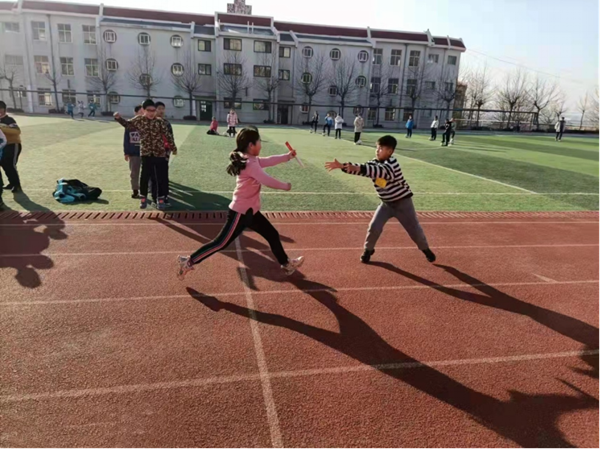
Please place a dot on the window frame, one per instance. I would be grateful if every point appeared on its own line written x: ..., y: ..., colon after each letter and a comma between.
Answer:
x: 373, y: 83
x: 332, y: 91
x: 66, y: 64
x: 7, y: 29
x: 365, y: 58
x: 306, y: 50
x: 88, y: 62
x: 304, y: 108
x: 411, y: 86
x: 18, y: 62
x: 232, y: 69
x: 377, y: 56
x: 455, y: 59
x: 397, y: 57
x: 393, y: 87
x: 267, y: 71
x: 433, y: 58
x: 176, y: 102
x: 69, y: 96
x: 361, y: 84
x: 414, y: 58
x: 372, y: 114
x: 144, y: 35
x: 35, y: 31
x: 41, y: 64
x: 227, y: 44
x: 112, y: 95
x: 283, y: 72
x: 64, y: 33
x: 108, y: 63
x: 282, y: 51
x: 305, y: 75
x: 89, y: 36
x: 429, y: 85
x: 390, y: 112
x: 108, y: 33
x: 209, y: 69
x: 268, y: 45
x: 207, y: 44
x: 259, y: 104
x: 47, y: 92
x: 237, y: 103
x: 177, y: 65
x: 174, y: 38
x: 331, y: 54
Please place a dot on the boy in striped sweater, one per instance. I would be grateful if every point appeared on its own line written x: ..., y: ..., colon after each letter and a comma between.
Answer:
x: 395, y: 195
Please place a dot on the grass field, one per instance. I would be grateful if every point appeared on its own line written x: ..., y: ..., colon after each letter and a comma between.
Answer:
x: 479, y: 173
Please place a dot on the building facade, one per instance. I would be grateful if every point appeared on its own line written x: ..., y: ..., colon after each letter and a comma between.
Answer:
x: 54, y: 53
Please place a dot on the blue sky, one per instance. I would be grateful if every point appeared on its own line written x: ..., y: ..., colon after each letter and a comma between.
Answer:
x: 557, y: 37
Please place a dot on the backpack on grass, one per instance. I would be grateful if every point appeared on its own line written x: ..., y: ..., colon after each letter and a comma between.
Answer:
x: 72, y: 190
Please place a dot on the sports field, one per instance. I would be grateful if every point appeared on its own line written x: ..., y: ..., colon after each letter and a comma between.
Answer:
x: 479, y: 173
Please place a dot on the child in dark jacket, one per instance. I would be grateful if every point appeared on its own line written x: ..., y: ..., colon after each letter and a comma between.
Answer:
x: 131, y: 148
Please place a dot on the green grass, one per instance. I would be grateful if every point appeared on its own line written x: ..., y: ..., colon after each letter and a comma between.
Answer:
x: 479, y: 173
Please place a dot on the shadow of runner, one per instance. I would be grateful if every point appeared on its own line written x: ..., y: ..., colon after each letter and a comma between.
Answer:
x: 28, y: 240
x: 187, y: 198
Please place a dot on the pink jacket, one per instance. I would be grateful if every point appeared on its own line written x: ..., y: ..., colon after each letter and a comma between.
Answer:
x: 247, y: 190
x: 232, y: 119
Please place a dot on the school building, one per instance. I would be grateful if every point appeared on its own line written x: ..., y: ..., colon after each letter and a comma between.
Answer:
x: 266, y: 69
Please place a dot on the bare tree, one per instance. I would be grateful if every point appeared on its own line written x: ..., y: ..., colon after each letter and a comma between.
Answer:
x: 143, y: 74
x: 479, y: 91
x: 312, y: 77
x: 234, y: 78
x: 379, y: 92
x: 593, y: 109
x: 415, y: 85
x: 542, y: 94
x: 53, y: 74
x: 513, y: 92
x: 342, y: 76
x: 11, y: 73
x: 582, y: 107
x: 270, y: 82
x: 107, y: 77
x: 559, y: 105
x: 190, y: 81
x: 445, y: 90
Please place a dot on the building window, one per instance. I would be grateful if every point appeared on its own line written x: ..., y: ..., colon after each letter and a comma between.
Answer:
x: 414, y: 58
x: 361, y: 81
x: 91, y: 67
x: 177, y: 69
x: 307, y: 52
x: 176, y: 41
x: 42, y: 65
x: 306, y: 78
x: 111, y: 65
x: 204, y: 69
x: 114, y: 98
x: 393, y: 85
x: 375, y: 84
x: 178, y: 102
x: 396, y: 57
x: 363, y: 56
x: 39, y: 31
x: 335, y: 54
x: 232, y: 69
x: 11, y: 27
x: 452, y: 60
x: 262, y: 71
x: 411, y: 87
x: 66, y: 66
x: 13, y: 60
x: 110, y: 36
x: 427, y: 113
x: 449, y: 87
x: 229, y: 103
x: 333, y: 91
x: 232, y: 44
x: 285, y: 52
x: 304, y: 109
x: 145, y: 79
x: 284, y: 75
x: 89, y: 34
x: 204, y: 45
x: 372, y: 114
x: 377, y: 56
x: 262, y: 47
x: 390, y: 114
x: 44, y: 97
x: 358, y: 110
x: 144, y: 39
x: 260, y: 105
x: 68, y: 96
x: 93, y: 96
x: 433, y: 59
x: 407, y: 114
x: 64, y: 33
x: 430, y: 85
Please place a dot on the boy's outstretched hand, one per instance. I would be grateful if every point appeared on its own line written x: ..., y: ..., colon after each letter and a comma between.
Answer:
x: 333, y: 165
x: 116, y: 115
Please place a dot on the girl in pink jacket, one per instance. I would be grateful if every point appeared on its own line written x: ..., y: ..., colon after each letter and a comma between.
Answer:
x: 232, y: 121
x: 244, y: 209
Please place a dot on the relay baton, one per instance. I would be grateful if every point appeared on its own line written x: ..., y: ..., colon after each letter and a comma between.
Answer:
x: 287, y: 144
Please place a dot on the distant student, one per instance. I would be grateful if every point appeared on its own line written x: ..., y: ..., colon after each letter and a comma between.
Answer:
x: 328, y: 124
x: 244, y: 209
x: 560, y: 129
x: 232, y: 121
x: 70, y: 107
x: 359, y: 124
x: 452, y: 130
x: 339, y: 123
x: 80, y: 108
x: 434, y: 127
x: 92, y: 107
x: 395, y: 195
x: 214, y: 127
x: 314, y: 122
x: 409, y: 127
x: 131, y: 148
x: 446, y: 134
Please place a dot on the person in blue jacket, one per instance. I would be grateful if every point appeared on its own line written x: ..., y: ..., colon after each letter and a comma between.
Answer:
x: 131, y: 148
x: 409, y: 127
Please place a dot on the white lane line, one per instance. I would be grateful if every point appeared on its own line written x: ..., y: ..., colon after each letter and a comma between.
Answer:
x: 291, y: 292
x: 191, y: 383
x: 272, y: 418
x: 267, y: 250
x: 544, y: 278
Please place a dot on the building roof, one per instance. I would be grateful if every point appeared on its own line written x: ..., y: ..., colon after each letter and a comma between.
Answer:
x: 146, y: 14
x: 457, y: 43
x: 440, y: 40
x: 286, y: 37
x: 323, y: 30
x: 332, y: 39
x: 242, y: 19
x: 117, y: 21
x: 7, y: 6
x: 399, y: 35
x: 203, y: 29
x: 61, y: 7
x: 245, y: 30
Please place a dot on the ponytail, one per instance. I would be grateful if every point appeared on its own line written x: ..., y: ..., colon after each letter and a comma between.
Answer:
x: 244, y: 138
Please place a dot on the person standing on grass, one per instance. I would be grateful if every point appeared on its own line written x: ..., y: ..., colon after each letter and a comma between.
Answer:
x: 314, y: 122
x: 446, y: 134
x: 452, y: 131
x: 409, y: 127
x: 560, y: 128
x: 12, y: 150
x: 70, y: 107
x: 80, y: 108
x: 244, y: 209
x: 152, y: 150
x: 160, y: 112
x: 394, y: 193
x: 232, y: 121
x: 434, y: 127
x: 328, y: 124
x: 359, y: 124
x: 339, y: 123
x: 92, y: 107
x: 131, y: 148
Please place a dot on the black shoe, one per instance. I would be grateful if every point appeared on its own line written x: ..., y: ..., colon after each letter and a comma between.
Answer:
x: 135, y: 195
x: 8, y: 187
x: 429, y: 254
x: 144, y: 203
x: 17, y: 189
x: 366, y: 256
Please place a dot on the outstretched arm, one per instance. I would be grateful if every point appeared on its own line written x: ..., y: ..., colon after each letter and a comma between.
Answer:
x: 369, y: 170
x: 271, y: 161
x: 259, y: 174
x: 129, y: 124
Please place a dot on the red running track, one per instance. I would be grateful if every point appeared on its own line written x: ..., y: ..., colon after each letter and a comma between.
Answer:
x: 495, y: 345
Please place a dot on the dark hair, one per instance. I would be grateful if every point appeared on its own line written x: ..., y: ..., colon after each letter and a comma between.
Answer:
x: 244, y: 138
x: 387, y: 141
x: 2, y: 105
x: 148, y: 103
x: 137, y: 108
x: 160, y: 103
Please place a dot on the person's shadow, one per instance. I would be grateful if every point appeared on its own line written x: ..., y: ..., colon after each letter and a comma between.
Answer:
x: 24, y: 238
x: 187, y: 198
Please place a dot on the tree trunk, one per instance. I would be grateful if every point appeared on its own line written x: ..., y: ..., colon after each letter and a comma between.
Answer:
x: 106, y: 102
x: 191, y: 99
x: 509, y: 116
x: 269, y: 107
x: 309, y: 108
x: 56, y: 94
x: 478, y: 112
x: 581, y: 122
x: 12, y: 93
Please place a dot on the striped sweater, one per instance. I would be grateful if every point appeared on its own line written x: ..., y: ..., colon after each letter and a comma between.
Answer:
x: 387, y: 177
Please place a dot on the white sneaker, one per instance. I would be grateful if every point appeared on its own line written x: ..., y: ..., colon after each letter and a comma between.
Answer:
x: 359, y: 142
x: 452, y: 142
x: 293, y: 265
x: 183, y: 267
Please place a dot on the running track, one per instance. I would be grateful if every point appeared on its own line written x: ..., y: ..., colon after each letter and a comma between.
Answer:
x: 496, y: 345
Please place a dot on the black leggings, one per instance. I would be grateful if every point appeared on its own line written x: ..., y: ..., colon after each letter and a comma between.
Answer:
x: 10, y: 157
x: 433, y: 133
x: 231, y: 130
x: 338, y: 133
x: 234, y: 226
x: 156, y: 170
x: 328, y: 128
x: 356, y: 137
x: 408, y: 132
x: 315, y: 125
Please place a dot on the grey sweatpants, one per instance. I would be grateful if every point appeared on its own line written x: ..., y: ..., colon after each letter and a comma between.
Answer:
x: 405, y: 213
x: 135, y: 162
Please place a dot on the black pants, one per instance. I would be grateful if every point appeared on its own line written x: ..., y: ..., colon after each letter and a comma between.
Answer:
x: 433, y: 133
x: 315, y: 126
x: 10, y: 157
x: 212, y: 133
x: 92, y: 113
x: 408, y: 132
x: 71, y: 114
x: 446, y: 138
x: 559, y: 135
x: 234, y: 226
x: 356, y: 137
x: 154, y: 169
x: 231, y: 130
x: 338, y: 133
x: 328, y: 128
